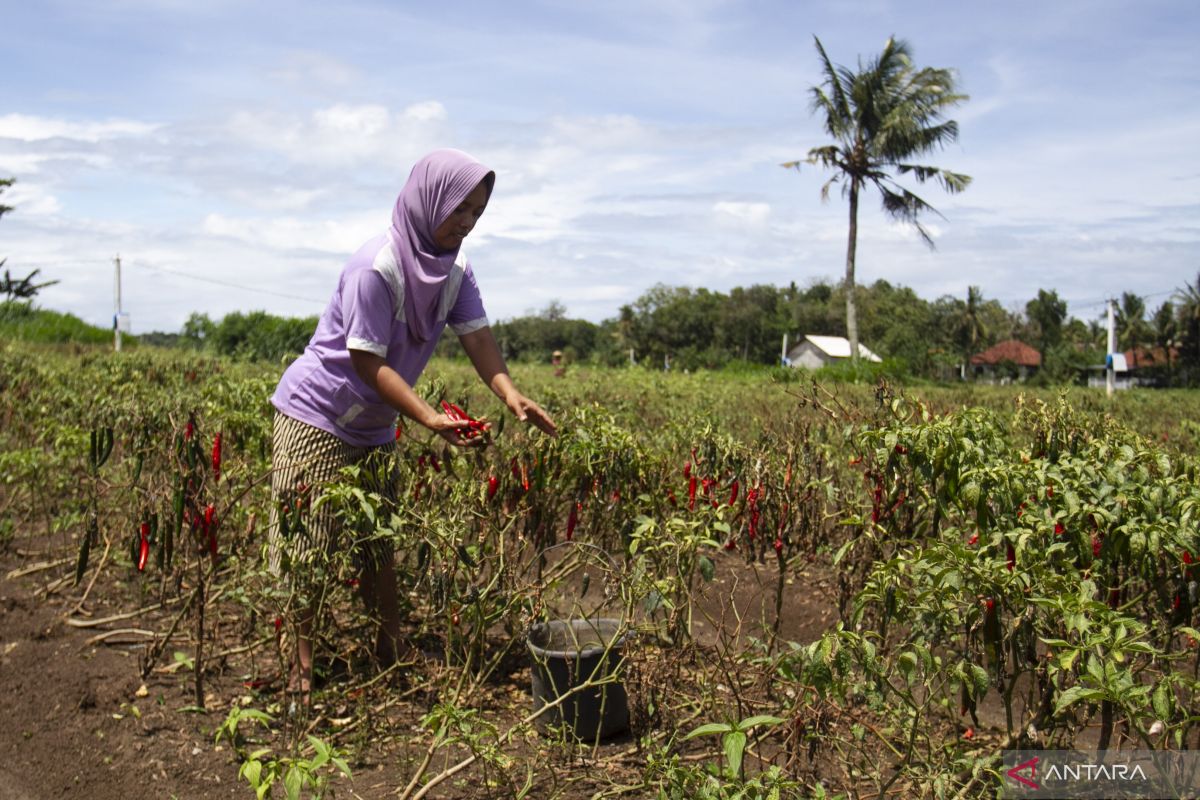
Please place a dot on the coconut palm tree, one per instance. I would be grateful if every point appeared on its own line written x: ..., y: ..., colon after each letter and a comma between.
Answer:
x: 970, y: 327
x: 1132, y: 330
x: 880, y: 117
x: 1188, y: 298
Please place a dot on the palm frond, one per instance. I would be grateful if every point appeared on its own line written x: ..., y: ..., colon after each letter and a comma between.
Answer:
x: 839, y: 106
x: 829, y: 155
x: 836, y: 124
x: 906, y: 206
x: 837, y: 178
x: 952, y: 182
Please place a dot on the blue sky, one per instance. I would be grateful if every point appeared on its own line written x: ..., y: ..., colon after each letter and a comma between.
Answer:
x: 235, y: 153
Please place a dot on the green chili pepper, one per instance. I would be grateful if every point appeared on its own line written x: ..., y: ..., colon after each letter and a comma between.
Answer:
x: 85, y: 547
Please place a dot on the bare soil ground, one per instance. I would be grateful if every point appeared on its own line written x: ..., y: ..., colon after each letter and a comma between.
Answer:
x: 79, y: 721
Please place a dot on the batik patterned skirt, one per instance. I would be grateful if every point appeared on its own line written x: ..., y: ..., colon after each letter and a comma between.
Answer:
x: 305, y: 461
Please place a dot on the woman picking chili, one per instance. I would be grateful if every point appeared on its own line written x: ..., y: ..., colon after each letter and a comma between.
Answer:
x: 336, y: 405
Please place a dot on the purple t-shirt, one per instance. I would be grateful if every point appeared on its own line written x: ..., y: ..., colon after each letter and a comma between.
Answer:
x: 366, y: 312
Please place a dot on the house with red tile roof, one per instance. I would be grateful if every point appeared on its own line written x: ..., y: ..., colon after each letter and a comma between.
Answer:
x: 1006, y: 361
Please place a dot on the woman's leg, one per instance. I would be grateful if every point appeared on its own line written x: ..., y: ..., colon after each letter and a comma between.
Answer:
x: 377, y: 587
x: 377, y: 581
x: 304, y: 460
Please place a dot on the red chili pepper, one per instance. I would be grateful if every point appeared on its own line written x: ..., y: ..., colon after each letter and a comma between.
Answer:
x: 1049, y: 491
x: 1011, y: 557
x: 278, y: 624
x: 691, y: 493
x: 352, y: 583
x: 854, y: 460
x: 969, y: 733
x: 730, y: 545
x: 974, y: 539
x: 687, y: 469
x: 1177, y: 603
x: 216, y: 457
x: 1187, y: 557
x: 573, y: 520
x: 433, y: 462
x: 990, y: 605
x: 143, y: 547
x: 1097, y: 543
x: 1059, y: 529
x: 210, y: 514
x: 212, y: 542
x: 901, y: 449
x: 492, y: 485
x: 516, y: 469
x: 733, y: 492
x: 188, y: 430
x: 779, y: 547
x: 474, y: 427
x: 417, y: 490
x: 399, y: 431
x: 671, y: 498
x: 420, y: 463
x: 1114, y: 597
x: 524, y: 477
x: 616, y: 496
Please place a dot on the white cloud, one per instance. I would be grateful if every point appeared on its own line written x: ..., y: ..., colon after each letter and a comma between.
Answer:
x: 308, y: 68
x: 750, y: 213
x: 29, y: 128
x: 344, y: 135
x: 31, y: 200
x: 337, y: 237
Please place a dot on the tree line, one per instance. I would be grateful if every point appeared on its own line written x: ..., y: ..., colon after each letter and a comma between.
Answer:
x: 680, y: 327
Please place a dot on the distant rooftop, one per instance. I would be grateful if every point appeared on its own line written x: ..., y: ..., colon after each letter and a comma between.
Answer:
x: 839, y: 347
x: 1012, y: 350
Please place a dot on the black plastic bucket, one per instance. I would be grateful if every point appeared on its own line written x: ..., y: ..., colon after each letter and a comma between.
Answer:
x: 566, y: 654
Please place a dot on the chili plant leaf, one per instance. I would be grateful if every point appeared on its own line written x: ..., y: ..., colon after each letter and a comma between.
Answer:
x: 1074, y: 695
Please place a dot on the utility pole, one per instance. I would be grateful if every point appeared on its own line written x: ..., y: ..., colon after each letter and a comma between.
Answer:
x: 783, y: 353
x: 1110, y: 383
x: 117, y: 302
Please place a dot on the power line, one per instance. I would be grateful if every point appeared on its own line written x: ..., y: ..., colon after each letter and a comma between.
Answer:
x: 1104, y: 302
x: 229, y: 284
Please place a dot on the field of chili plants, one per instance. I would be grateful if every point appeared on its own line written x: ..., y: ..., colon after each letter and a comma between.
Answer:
x: 820, y: 590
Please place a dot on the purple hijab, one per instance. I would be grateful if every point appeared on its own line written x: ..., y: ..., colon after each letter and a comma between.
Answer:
x: 435, y: 187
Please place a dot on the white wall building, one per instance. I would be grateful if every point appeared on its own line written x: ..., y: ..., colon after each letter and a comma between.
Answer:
x: 814, y: 352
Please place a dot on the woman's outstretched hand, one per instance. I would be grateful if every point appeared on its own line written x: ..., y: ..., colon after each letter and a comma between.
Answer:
x: 528, y: 411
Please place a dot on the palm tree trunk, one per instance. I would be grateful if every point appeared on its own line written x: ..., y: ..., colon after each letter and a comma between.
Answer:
x: 851, y: 247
